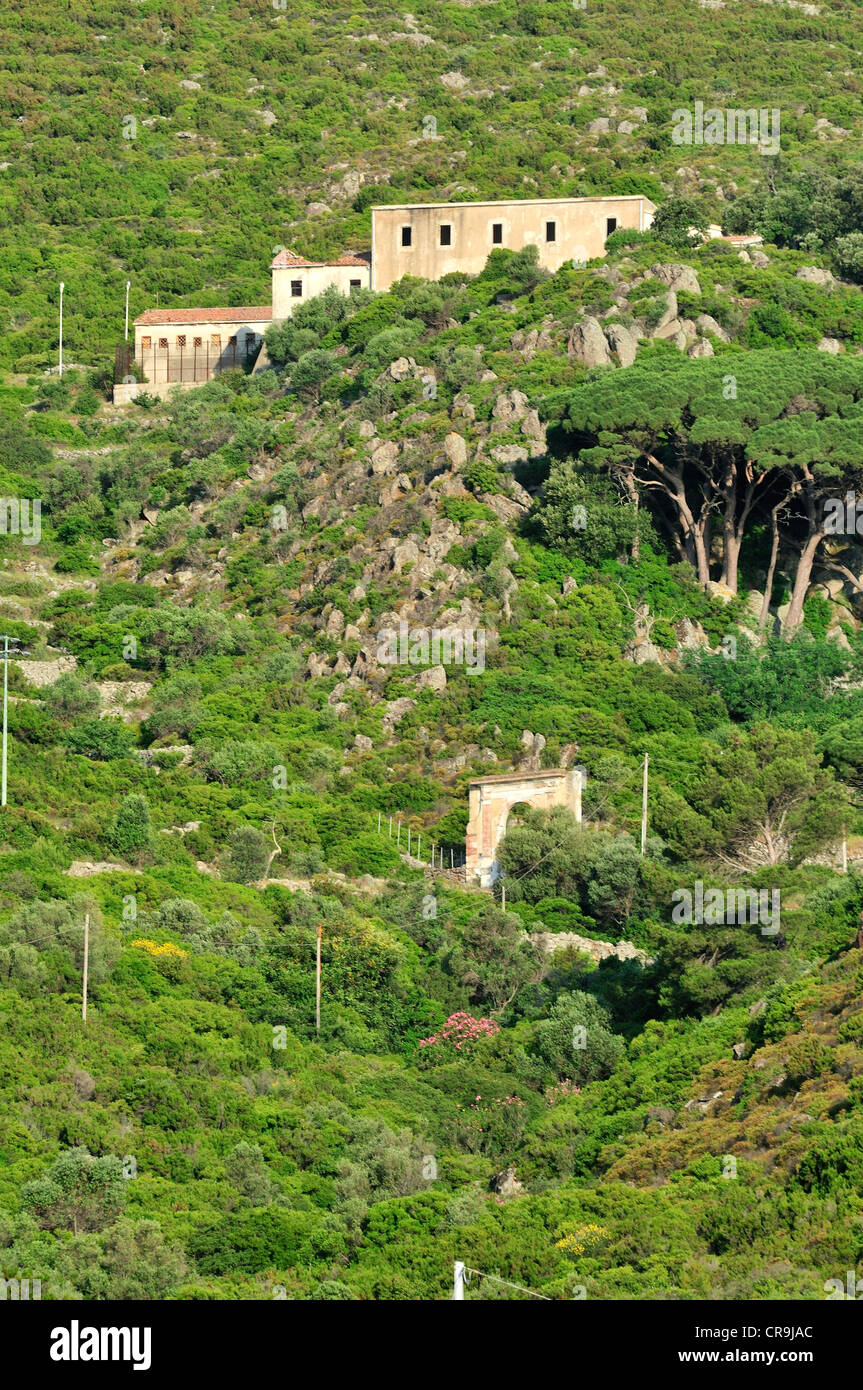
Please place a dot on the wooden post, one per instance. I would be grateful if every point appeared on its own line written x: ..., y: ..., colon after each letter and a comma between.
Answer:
x: 644, y: 806
x: 86, y: 964
x: 391, y: 826
x: 399, y: 836
x: 318, y: 985
x: 844, y: 852
x: 379, y: 822
x: 409, y: 839
x: 419, y: 843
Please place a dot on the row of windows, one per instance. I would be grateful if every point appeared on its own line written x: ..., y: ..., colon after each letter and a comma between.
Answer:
x: 297, y: 287
x: 445, y: 232
x: 215, y: 341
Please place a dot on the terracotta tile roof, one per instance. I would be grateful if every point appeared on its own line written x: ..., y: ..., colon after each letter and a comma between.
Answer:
x: 254, y: 313
x: 289, y: 260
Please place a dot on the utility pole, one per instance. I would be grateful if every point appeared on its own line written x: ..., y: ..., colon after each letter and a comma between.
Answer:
x: 458, y: 1282
x: 128, y: 283
x: 644, y: 807
x: 318, y: 985
x: 62, y: 288
x: 6, y: 655
x: 86, y: 963
x: 5, y: 708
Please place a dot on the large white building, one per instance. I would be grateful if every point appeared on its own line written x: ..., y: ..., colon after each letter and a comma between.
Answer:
x: 183, y: 347
x: 434, y: 239
x: 187, y: 346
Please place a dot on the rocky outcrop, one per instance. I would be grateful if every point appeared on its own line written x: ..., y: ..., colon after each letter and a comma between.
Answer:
x: 707, y: 324
x: 677, y: 277
x: 87, y: 868
x: 385, y: 458
x: 587, y: 344
x: 623, y: 341
x: 455, y: 448
x: 814, y: 275
x: 549, y: 942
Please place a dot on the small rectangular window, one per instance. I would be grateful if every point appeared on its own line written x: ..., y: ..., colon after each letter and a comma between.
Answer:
x: 610, y: 225
x: 446, y: 234
x: 215, y: 340
x: 146, y: 342
x: 297, y: 289
x: 356, y: 284
x: 232, y: 341
x: 497, y: 234
x: 163, y: 342
x: 551, y: 231
x: 407, y: 236
x: 196, y: 342
x: 181, y: 340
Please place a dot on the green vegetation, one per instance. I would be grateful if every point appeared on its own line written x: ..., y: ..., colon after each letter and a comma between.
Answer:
x: 207, y: 744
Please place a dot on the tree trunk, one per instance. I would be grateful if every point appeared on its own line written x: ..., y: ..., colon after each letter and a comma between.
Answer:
x: 635, y: 550
x: 628, y: 483
x: 771, y: 571
x: 693, y: 531
x: 734, y: 525
x: 794, y: 616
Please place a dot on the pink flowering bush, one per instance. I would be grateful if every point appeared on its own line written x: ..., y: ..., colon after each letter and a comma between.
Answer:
x: 492, y: 1125
x: 460, y: 1032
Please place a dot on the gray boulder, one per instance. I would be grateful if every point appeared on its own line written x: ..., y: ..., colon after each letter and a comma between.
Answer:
x: 587, y: 344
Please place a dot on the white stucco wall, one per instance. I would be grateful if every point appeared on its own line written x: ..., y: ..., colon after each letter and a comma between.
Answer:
x: 580, y: 227
x: 313, y: 279
x: 175, y: 364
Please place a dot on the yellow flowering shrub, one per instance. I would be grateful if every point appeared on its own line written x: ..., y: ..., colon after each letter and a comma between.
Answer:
x: 583, y: 1239
x: 166, y: 950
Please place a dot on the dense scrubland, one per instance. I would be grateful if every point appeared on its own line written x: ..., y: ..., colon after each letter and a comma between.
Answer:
x: 177, y: 145
x: 206, y: 747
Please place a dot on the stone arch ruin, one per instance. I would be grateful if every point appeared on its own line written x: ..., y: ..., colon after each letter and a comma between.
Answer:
x: 492, y: 798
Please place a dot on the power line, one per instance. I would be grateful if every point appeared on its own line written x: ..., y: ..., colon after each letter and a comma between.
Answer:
x: 614, y: 787
x: 461, y: 1277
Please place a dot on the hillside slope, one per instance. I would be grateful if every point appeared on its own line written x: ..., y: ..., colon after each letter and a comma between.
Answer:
x: 177, y: 146
x: 208, y: 745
